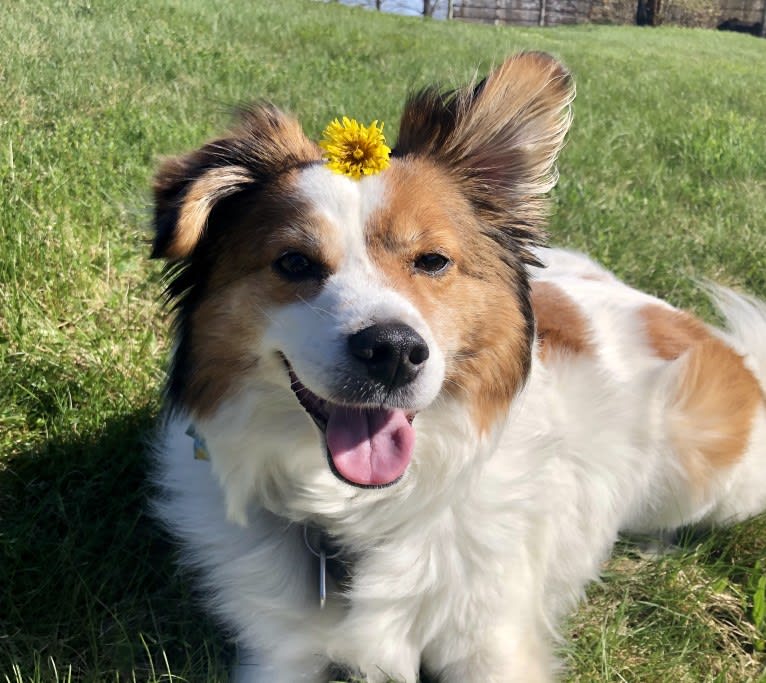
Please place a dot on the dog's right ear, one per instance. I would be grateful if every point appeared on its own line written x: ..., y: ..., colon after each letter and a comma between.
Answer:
x: 265, y: 143
x: 185, y: 191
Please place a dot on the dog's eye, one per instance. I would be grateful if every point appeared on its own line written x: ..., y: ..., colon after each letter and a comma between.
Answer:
x: 432, y: 264
x: 296, y: 266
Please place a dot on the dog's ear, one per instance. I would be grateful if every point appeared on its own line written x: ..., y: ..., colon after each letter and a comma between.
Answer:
x: 499, y: 138
x: 264, y: 143
x: 185, y: 190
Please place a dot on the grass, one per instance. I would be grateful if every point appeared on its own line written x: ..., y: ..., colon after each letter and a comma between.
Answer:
x: 663, y: 179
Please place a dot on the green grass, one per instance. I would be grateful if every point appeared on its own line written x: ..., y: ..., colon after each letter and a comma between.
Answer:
x: 663, y: 179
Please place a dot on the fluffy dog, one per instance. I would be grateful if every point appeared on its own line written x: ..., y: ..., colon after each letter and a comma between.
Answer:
x: 388, y: 389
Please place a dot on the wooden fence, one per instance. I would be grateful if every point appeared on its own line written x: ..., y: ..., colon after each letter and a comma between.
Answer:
x: 703, y: 13
x: 743, y: 15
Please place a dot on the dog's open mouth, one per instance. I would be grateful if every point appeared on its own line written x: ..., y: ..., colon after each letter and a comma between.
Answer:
x: 367, y: 447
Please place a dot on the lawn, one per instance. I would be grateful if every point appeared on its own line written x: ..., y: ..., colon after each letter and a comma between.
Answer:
x: 663, y: 180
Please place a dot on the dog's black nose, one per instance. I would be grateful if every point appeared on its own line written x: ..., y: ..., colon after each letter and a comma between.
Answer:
x: 392, y: 353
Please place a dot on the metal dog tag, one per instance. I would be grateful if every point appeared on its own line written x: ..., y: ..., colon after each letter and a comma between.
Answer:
x: 322, y: 577
x: 321, y: 554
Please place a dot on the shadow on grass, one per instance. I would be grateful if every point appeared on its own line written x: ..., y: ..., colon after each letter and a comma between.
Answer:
x: 87, y: 579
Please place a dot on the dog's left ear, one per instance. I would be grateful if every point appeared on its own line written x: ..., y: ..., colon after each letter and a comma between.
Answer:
x: 500, y: 138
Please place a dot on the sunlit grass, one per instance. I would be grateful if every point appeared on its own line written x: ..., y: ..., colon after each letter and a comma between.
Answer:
x: 663, y: 180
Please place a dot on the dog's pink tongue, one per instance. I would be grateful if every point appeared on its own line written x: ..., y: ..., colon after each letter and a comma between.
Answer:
x: 369, y: 446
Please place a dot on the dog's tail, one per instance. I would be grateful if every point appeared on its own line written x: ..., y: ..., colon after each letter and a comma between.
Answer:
x: 745, y: 318
x: 745, y: 332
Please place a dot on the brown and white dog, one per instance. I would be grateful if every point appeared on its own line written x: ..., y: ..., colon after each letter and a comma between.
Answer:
x: 381, y: 371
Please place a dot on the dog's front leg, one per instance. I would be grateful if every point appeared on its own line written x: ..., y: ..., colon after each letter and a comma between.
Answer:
x: 504, y: 653
x: 376, y: 646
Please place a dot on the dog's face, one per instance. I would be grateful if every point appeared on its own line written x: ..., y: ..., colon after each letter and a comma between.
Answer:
x: 349, y: 307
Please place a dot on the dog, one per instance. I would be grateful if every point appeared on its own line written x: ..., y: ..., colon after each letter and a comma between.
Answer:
x: 419, y: 431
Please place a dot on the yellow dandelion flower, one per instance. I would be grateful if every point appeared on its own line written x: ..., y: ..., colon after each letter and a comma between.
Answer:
x: 355, y: 150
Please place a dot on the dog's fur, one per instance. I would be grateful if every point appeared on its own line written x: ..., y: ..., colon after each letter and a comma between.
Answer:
x: 556, y: 408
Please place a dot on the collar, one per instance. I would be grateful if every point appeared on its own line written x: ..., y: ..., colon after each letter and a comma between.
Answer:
x: 200, y: 447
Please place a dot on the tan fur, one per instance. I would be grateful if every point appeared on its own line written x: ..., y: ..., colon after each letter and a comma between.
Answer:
x: 714, y: 410
x: 495, y: 145
x: 671, y: 332
x: 186, y: 188
x: 525, y: 99
x: 499, y: 139
x: 481, y: 332
x: 717, y: 395
x: 243, y: 285
x: 561, y: 325
x: 203, y: 193
x: 220, y: 355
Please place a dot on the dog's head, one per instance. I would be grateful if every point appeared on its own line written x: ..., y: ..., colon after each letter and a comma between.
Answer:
x: 335, y: 312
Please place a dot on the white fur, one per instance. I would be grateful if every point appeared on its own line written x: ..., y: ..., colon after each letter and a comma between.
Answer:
x: 468, y: 563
